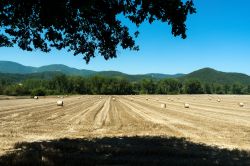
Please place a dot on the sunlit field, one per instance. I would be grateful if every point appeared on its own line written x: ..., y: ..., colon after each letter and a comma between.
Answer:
x: 211, y: 121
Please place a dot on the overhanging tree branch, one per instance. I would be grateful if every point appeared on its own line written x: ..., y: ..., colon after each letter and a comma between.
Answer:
x: 85, y: 27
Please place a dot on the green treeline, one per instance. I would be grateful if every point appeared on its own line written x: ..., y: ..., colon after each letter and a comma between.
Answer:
x: 62, y: 84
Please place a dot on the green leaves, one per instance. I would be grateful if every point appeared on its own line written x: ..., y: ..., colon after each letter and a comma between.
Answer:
x: 87, y: 27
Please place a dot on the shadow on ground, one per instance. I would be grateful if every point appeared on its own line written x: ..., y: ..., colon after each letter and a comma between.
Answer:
x: 122, y: 151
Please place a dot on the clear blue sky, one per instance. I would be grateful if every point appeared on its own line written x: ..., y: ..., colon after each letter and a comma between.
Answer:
x: 218, y: 37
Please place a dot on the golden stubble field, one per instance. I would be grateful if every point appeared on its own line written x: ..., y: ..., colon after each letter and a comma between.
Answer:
x: 224, y: 124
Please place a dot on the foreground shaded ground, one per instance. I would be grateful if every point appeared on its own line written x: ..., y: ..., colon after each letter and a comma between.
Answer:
x: 122, y: 151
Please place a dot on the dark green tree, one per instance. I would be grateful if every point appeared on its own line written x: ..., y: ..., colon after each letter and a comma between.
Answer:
x: 169, y: 86
x: 218, y: 88
x: 1, y: 87
x: 16, y: 90
x: 248, y: 89
x: 125, y: 87
x: 174, y: 86
x: 193, y: 87
x: 226, y: 88
x: 208, y: 89
x: 96, y: 84
x: 148, y: 86
x: 34, y: 83
x: 162, y: 87
x: 109, y: 86
x: 237, y: 88
x: 85, y: 27
x: 77, y: 85
x: 38, y: 92
x: 136, y: 87
x: 60, y: 84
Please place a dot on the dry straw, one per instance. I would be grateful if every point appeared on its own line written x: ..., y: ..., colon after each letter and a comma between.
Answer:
x: 163, y: 105
x: 186, y: 105
x: 241, y: 104
x: 59, y: 103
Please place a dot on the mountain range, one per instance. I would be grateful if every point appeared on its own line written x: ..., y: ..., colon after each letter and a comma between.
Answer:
x: 18, y: 72
x: 16, y: 68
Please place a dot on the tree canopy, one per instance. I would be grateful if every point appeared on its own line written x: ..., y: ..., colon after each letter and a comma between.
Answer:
x: 63, y: 84
x: 86, y: 27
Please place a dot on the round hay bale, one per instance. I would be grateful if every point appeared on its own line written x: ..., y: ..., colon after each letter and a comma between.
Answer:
x: 59, y: 103
x: 163, y: 105
x: 131, y: 99
x: 113, y: 99
x: 147, y: 99
x: 35, y: 97
x: 58, y: 96
x: 241, y: 104
x: 186, y: 105
x: 100, y: 97
x: 218, y: 100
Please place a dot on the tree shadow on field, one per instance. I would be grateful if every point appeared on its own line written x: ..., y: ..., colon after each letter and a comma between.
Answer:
x: 122, y: 151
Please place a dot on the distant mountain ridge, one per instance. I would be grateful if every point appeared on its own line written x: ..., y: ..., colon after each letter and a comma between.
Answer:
x: 16, y: 71
x: 16, y: 68
x: 210, y: 75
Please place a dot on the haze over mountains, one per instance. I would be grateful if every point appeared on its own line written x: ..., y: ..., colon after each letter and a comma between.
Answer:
x: 16, y: 71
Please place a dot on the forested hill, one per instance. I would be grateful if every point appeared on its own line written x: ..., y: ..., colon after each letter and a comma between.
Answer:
x: 17, y: 78
x: 208, y: 75
x: 17, y: 72
x: 60, y: 79
x: 15, y: 68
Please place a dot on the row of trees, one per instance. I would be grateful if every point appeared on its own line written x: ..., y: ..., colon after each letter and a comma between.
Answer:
x: 62, y: 84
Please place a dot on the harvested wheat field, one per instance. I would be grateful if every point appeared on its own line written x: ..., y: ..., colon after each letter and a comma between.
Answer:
x: 133, y: 120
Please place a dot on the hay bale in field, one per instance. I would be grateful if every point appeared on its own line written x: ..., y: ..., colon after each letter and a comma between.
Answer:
x: 241, y: 104
x: 59, y: 103
x: 186, y: 105
x: 35, y: 97
x: 100, y: 97
x: 218, y: 100
x: 163, y: 105
x: 58, y: 96
x: 131, y: 99
x: 147, y: 99
x: 62, y: 97
x: 113, y: 99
